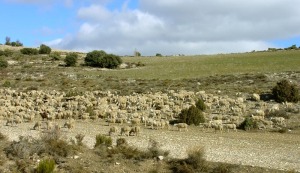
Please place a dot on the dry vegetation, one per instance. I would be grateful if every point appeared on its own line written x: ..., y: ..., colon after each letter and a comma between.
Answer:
x: 87, y: 146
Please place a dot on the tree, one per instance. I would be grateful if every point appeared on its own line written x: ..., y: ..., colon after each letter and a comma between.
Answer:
x: 7, y: 40
x: 44, y: 49
x: 71, y: 59
x: 99, y: 58
x: 158, y: 54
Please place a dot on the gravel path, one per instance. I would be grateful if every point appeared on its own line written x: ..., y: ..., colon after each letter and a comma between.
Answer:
x: 264, y: 149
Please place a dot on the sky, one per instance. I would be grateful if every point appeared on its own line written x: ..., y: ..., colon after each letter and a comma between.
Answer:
x: 168, y: 27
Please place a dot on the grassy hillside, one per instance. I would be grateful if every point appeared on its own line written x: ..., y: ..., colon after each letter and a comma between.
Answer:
x: 214, y: 72
x: 203, y: 66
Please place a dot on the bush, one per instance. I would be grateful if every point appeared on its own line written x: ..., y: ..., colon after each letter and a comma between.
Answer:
x: 201, y: 105
x: 71, y: 59
x: 44, y: 49
x: 103, y: 140
x: 55, y: 56
x: 3, y: 63
x: 6, y: 52
x: 102, y: 60
x: 192, y: 115
x: 29, y: 51
x: 248, y: 124
x: 46, y: 166
x: 285, y: 91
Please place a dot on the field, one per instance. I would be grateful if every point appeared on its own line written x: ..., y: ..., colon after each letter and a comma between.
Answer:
x: 229, y: 75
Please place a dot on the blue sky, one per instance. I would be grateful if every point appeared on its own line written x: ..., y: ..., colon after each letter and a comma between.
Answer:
x: 162, y: 26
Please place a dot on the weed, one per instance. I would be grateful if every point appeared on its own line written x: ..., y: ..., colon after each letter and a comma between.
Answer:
x: 46, y: 166
x: 103, y: 140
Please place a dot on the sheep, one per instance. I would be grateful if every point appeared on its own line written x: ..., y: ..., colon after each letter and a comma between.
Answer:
x: 111, y: 121
x: 14, y: 121
x: 218, y: 127
x: 257, y: 118
x: 125, y: 130
x: 49, y: 125
x: 135, y: 131
x: 37, y: 126
x: 278, y: 121
x: 113, y: 130
x: 230, y: 126
x: 69, y: 124
x: 181, y: 126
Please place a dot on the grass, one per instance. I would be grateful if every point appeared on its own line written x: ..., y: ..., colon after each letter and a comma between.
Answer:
x: 159, y: 73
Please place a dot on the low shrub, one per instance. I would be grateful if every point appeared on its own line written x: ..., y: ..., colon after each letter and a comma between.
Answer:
x: 102, y: 60
x: 29, y: 51
x: 44, y: 49
x: 103, y: 140
x: 46, y: 166
x: 3, y: 63
x: 55, y: 56
x: 6, y: 52
x: 201, y: 105
x: 248, y: 124
x: 192, y: 115
x: 286, y: 91
x: 71, y: 59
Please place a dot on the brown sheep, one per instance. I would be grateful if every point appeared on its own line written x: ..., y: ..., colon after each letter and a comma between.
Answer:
x: 125, y: 130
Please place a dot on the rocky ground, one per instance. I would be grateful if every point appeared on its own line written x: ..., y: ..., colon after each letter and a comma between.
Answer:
x: 260, y: 148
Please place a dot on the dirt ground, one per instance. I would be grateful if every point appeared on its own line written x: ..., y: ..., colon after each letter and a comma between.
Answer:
x: 260, y: 148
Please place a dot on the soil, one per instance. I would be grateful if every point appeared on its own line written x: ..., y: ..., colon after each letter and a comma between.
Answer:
x: 280, y: 151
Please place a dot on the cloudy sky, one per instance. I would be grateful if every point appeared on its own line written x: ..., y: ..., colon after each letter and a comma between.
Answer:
x: 152, y: 26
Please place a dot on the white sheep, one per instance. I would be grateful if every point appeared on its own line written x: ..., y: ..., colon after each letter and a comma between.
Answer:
x: 230, y: 126
x: 113, y: 130
x: 125, y: 130
x: 181, y: 126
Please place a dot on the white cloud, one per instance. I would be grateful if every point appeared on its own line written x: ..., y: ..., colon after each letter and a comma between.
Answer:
x: 188, y: 27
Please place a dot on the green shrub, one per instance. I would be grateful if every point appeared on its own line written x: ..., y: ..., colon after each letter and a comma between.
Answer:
x: 71, y: 59
x: 248, y: 124
x: 192, y: 115
x: 29, y: 51
x: 285, y: 91
x: 102, y: 60
x: 103, y: 140
x: 6, y: 52
x: 3, y: 63
x: 55, y: 56
x: 121, y: 142
x: 46, y: 166
x: 201, y: 105
x: 6, y: 84
x: 278, y: 113
x: 44, y: 49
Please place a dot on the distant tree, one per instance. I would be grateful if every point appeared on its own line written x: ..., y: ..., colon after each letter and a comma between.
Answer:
x: 99, y: 58
x: 18, y: 43
x: 71, y: 59
x: 159, y: 55
x: 7, y: 40
x: 44, y: 49
x: 137, y: 54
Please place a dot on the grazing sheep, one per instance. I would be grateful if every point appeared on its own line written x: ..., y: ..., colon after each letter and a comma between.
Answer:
x: 37, y: 126
x: 113, y: 130
x: 69, y: 124
x: 14, y: 121
x: 230, y: 126
x: 218, y: 127
x: 278, y: 121
x: 111, y: 121
x: 44, y: 115
x: 181, y: 126
x: 257, y: 118
x: 125, y: 130
x: 135, y: 131
x: 49, y: 125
